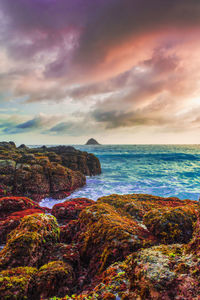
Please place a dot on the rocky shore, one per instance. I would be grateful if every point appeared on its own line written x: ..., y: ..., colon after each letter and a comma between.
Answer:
x: 120, y: 247
x: 44, y: 172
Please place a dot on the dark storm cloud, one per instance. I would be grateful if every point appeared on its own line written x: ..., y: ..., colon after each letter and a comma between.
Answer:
x: 124, y: 19
x: 101, y: 24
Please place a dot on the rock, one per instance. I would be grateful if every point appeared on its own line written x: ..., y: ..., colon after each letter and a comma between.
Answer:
x: 14, y: 283
x: 69, y: 232
x: 7, y: 145
x: 70, y: 209
x: 23, y: 147
x: 105, y: 237
x: 163, y: 272
x: 92, y: 142
x: 171, y: 225
x: 38, y: 179
x: 26, y: 244
x: 137, y: 205
x: 9, y: 205
x: 119, y: 247
x: 53, y: 279
x: 44, y: 172
x: 12, y: 210
x: 86, y: 163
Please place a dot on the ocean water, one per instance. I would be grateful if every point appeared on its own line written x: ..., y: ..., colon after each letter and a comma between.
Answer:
x: 162, y: 170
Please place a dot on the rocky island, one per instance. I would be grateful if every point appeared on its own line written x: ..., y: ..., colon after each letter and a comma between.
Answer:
x: 121, y: 247
x: 92, y: 142
x: 44, y: 172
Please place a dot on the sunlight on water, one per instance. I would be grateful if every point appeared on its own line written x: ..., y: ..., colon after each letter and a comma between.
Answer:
x: 153, y: 169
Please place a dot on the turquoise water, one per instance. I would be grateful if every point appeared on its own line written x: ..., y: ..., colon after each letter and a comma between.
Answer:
x: 162, y: 170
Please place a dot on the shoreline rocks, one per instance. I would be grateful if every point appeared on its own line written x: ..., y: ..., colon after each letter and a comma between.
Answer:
x: 44, y: 172
x: 120, y: 247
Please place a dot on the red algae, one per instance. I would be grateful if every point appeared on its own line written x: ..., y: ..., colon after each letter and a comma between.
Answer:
x: 70, y: 209
x: 121, y: 247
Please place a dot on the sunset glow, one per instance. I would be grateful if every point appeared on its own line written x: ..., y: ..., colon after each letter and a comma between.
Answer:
x: 121, y: 71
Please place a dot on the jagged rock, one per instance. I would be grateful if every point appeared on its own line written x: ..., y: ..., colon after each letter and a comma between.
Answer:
x: 43, y: 172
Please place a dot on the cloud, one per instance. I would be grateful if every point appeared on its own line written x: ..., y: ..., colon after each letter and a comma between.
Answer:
x: 113, y: 63
x: 38, y: 123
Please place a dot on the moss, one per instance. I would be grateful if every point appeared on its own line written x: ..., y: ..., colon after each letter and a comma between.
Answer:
x: 14, y: 283
x: 171, y: 225
x: 25, y: 244
x: 70, y: 209
x: 53, y: 279
x: 107, y: 236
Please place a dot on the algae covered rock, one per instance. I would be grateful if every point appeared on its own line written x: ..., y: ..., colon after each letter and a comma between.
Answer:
x: 164, y: 272
x: 26, y: 244
x: 14, y: 283
x: 10, y: 205
x: 70, y: 209
x: 12, y: 210
x: 105, y: 236
x: 13, y: 220
x: 53, y: 279
x: 171, y: 225
x: 170, y: 220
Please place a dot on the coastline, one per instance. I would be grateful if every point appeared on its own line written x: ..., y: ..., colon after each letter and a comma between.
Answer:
x: 131, y: 246
x: 120, y: 247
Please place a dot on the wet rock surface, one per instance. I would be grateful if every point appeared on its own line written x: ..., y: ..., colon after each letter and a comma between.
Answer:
x: 121, y: 247
x: 44, y: 172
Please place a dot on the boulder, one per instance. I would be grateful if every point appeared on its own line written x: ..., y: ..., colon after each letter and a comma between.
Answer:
x: 27, y: 243
x: 53, y: 279
x: 105, y: 237
x: 171, y: 225
x: 70, y: 209
x: 14, y: 283
x: 9, y: 205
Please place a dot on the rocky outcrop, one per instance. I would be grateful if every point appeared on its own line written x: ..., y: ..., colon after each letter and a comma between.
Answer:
x: 38, y: 178
x: 92, y: 142
x: 42, y: 172
x: 121, y: 247
x: 12, y: 210
x: 69, y: 157
x: 70, y: 209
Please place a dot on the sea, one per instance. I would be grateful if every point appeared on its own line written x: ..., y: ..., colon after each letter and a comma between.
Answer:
x: 161, y: 170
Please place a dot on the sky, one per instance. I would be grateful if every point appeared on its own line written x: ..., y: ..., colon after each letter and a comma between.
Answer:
x: 120, y: 71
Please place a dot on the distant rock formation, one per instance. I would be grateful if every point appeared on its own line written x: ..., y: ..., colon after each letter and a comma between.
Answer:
x: 44, y: 172
x: 92, y: 142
